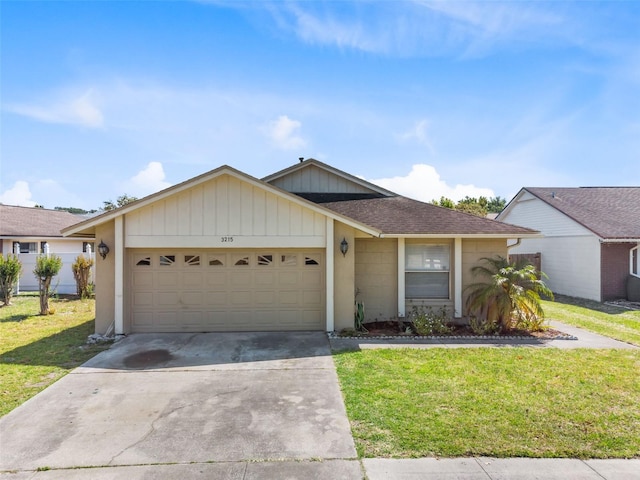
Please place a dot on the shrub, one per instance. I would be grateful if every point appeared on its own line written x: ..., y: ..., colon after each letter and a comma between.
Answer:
x: 428, y: 322
x: 482, y: 326
x: 47, y: 267
x: 82, y: 273
x: 10, y: 268
x: 509, y: 293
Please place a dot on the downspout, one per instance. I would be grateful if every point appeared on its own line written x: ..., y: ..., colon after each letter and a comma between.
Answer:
x: 518, y: 242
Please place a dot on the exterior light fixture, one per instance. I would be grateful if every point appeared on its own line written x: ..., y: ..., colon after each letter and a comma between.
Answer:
x: 344, y: 246
x: 103, y: 250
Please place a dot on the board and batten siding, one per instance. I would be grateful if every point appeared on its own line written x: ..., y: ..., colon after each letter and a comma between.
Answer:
x: 570, y: 252
x: 228, y: 213
x: 316, y: 180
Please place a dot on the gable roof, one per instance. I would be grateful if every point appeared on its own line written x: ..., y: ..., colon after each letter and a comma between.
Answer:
x: 86, y: 227
x: 401, y: 216
x: 609, y: 212
x: 34, y: 222
x: 312, y: 162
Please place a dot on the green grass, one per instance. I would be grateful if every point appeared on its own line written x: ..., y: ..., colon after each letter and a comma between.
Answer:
x: 614, y: 322
x: 35, y: 350
x: 493, y: 402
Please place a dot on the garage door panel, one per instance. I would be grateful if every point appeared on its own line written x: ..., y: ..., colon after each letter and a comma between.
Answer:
x: 216, y: 278
x: 142, y: 279
x: 168, y: 279
x: 210, y: 290
x: 166, y: 299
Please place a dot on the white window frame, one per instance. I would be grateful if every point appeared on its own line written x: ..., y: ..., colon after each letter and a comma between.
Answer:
x: 635, y: 250
x: 411, y: 268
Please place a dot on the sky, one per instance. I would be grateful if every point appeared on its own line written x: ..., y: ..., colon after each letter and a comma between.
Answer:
x: 425, y: 98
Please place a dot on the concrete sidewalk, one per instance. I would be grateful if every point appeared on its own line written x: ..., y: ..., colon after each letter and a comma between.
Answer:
x: 483, y: 468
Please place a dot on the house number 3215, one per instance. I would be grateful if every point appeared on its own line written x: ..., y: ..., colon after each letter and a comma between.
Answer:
x: 226, y: 239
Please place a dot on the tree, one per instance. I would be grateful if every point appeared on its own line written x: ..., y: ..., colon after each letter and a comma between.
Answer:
x: 82, y: 273
x: 10, y: 268
x: 121, y: 201
x: 445, y: 202
x: 47, y: 267
x: 74, y: 210
x: 509, y: 296
x: 496, y: 204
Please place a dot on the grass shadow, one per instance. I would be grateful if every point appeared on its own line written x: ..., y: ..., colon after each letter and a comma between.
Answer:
x: 65, y: 349
x: 589, y: 304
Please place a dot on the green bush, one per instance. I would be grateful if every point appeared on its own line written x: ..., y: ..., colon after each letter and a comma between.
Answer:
x: 82, y: 274
x: 426, y: 321
x: 10, y: 268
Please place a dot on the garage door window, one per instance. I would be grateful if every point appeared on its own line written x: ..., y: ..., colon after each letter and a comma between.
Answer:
x: 265, y: 259
x: 310, y: 261
x: 217, y: 260
x: 289, y: 260
x: 167, y: 260
x: 143, y: 262
x: 243, y: 261
x: 192, y: 260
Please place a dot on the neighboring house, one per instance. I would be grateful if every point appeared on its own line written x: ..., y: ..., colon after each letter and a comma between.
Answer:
x: 228, y: 252
x: 29, y: 232
x: 591, y: 237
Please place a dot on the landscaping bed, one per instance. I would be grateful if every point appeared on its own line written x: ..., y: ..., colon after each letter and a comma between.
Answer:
x: 404, y: 329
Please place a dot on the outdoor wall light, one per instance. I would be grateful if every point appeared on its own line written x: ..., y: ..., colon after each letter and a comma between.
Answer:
x: 344, y: 246
x: 103, y: 250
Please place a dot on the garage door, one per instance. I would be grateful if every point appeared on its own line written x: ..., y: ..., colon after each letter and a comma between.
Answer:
x: 226, y: 290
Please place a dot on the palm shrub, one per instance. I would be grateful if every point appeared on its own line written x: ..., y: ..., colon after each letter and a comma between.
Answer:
x: 10, y: 268
x: 509, y: 296
x: 82, y: 273
x: 47, y: 267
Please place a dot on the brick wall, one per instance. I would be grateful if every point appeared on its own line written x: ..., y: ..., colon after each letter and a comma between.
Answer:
x: 614, y: 268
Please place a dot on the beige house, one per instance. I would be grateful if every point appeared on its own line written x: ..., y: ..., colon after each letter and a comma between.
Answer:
x: 228, y: 252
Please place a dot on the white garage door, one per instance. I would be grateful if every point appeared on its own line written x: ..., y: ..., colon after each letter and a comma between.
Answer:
x: 226, y: 290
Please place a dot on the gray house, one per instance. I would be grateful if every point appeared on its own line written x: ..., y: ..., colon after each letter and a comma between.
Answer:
x: 591, y: 238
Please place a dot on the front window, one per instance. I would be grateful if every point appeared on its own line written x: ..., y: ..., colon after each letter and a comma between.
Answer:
x: 633, y: 262
x: 427, y: 270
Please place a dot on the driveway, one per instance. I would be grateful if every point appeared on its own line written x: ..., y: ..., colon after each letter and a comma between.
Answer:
x: 232, y: 405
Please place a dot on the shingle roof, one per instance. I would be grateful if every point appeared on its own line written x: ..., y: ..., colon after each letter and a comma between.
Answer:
x: 34, y: 222
x: 404, y: 216
x: 609, y: 212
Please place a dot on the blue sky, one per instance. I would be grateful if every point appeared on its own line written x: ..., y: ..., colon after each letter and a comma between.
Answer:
x: 424, y: 98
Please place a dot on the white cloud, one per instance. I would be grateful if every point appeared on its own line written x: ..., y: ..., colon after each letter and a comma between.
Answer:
x: 19, y: 194
x: 423, y: 183
x: 284, y: 133
x: 71, y: 109
x: 147, y: 181
x: 418, y: 133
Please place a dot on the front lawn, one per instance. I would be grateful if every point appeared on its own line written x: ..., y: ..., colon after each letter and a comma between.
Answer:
x: 493, y: 402
x: 35, y: 350
x: 609, y: 320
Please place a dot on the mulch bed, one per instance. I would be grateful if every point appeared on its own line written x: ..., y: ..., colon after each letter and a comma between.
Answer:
x: 395, y: 329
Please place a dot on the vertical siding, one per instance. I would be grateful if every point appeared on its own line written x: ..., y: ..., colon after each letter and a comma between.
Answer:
x: 316, y: 180
x: 376, y: 277
x: 615, y: 269
x: 225, y: 206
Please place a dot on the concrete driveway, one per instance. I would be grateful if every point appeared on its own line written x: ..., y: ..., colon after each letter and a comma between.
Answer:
x: 236, y: 405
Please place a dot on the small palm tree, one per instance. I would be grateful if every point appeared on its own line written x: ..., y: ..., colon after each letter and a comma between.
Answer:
x: 510, y: 294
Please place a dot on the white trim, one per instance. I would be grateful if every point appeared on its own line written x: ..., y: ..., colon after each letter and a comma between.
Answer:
x: 119, y: 276
x: 457, y: 278
x: 637, y: 249
x: 329, y: 277
x: 401, y: 287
